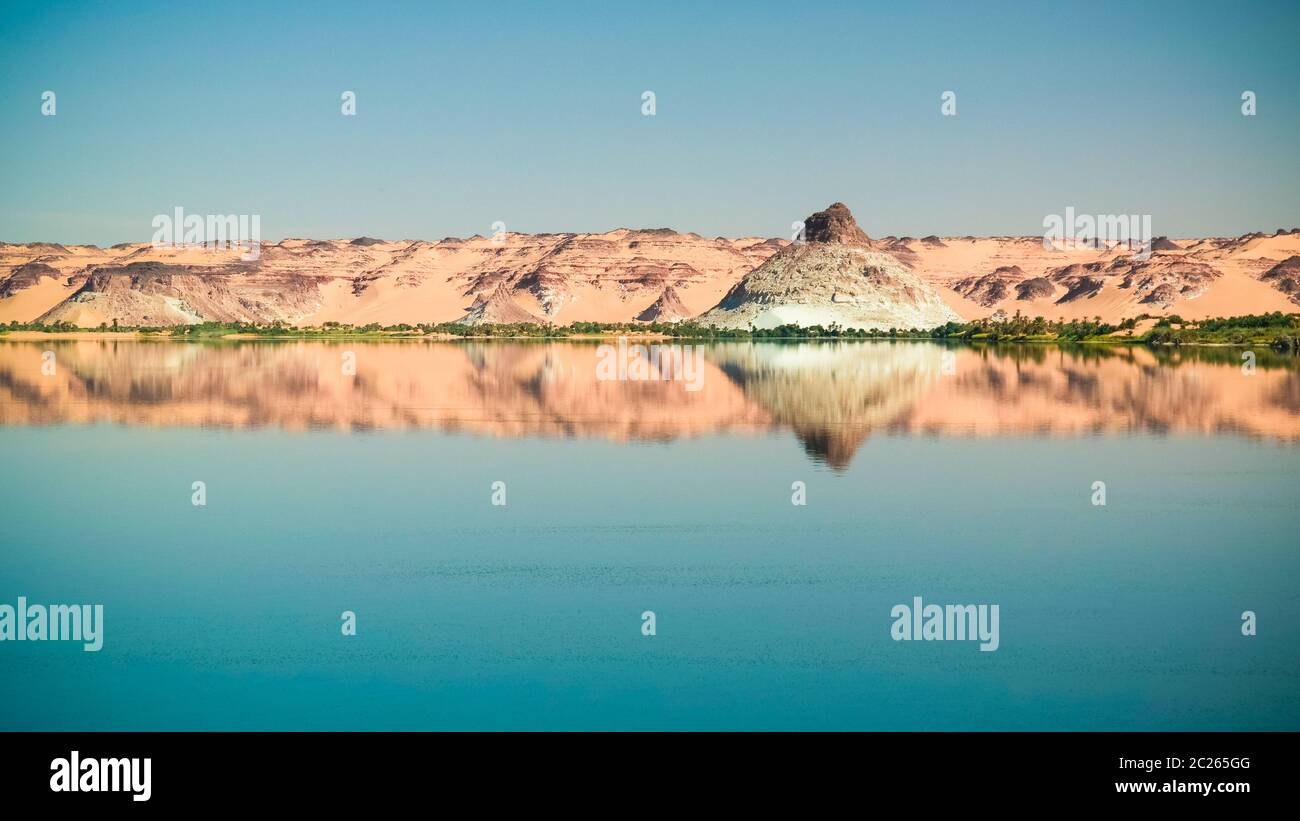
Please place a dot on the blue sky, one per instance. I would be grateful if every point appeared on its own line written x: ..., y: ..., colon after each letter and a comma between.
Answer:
x: 530, y: 113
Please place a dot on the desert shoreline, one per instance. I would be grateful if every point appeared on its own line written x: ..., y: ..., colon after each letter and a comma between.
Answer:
x: 144, y: 336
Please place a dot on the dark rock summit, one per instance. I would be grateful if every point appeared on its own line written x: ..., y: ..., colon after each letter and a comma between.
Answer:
x: 835, y: 224
x: 1035, y: 288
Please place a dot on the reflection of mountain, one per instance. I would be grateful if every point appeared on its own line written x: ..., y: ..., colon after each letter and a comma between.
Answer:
x: 829, y: 395
x: 832, y: 395
x: 499, y: 389
x: 1126, y: 390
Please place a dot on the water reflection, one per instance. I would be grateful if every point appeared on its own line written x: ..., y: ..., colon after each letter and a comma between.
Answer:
x: 831, y: 396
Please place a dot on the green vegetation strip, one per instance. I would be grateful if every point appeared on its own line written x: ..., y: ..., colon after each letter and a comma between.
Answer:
x: 1277, y: 330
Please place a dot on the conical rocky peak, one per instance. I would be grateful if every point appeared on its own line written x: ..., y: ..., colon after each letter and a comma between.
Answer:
x: 499, y: 307
x: 835, y: 224
x: 667, y: 308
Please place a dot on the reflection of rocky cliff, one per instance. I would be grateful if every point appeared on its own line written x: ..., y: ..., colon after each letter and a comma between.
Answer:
x: 832, y: 395
x: 488, y: 388
x: 829, y: 395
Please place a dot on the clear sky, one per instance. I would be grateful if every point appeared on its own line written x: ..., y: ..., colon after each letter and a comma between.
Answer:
x: 530, y: 113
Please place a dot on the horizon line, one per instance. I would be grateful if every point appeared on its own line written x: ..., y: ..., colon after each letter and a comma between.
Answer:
x: 675, y: 232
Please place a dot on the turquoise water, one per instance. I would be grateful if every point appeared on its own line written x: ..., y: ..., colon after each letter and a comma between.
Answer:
x: 528, y: 616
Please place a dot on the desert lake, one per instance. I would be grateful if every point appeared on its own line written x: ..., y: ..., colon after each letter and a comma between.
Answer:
x: 359, y: 476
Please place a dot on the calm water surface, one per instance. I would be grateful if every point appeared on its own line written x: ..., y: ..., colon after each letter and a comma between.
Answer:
x: 955, y: 474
